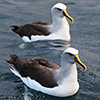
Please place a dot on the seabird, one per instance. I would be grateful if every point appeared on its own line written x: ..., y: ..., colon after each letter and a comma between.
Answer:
x: 49, y: 78
x: 58, y: 29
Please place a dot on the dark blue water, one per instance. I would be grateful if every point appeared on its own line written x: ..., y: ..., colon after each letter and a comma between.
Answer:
x: 85, y: 33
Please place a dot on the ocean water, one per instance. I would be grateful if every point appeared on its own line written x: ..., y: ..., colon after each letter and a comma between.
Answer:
x: 85, y: 36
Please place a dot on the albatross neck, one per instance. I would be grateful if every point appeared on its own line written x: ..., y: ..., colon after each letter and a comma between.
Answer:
x: 60, y: 23
x: 67, y: 73
x: 60, y: 28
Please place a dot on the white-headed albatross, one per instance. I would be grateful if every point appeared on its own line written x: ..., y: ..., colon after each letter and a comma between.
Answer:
x: 49, y: 78
x: 58, y: 29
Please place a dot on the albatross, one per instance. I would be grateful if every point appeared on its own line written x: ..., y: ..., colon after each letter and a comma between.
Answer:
x: 49, y: 78
x: 58, y: 29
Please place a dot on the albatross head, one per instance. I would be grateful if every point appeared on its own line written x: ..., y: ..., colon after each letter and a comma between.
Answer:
x: 59, y: 10
x: 70, y: 55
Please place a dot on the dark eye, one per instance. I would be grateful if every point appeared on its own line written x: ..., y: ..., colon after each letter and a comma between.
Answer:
x: 70, y: 54
x: 59, y: 9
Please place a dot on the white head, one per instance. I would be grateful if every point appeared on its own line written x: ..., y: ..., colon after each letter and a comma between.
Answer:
x: 59, y: 10
x: 70, y: 56
x: 59, y: 6
x: 72, y: 50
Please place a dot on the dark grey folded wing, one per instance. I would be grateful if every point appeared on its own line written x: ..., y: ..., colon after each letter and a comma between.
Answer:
x: 40, y: 70
x: 48, y: 64
x: 36, y: 28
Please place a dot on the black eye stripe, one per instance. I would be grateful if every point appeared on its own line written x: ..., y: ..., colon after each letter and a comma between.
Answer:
x: 70, y: 54
x: 59, y: 9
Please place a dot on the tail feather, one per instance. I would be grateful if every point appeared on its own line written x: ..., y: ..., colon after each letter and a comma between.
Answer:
x: 14, y: 28
x: 13, y: 61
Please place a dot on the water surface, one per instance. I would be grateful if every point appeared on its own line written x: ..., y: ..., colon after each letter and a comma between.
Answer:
x: 85, y: 36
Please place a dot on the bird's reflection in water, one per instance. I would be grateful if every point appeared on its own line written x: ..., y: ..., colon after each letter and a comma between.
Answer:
x: 47, y: 44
